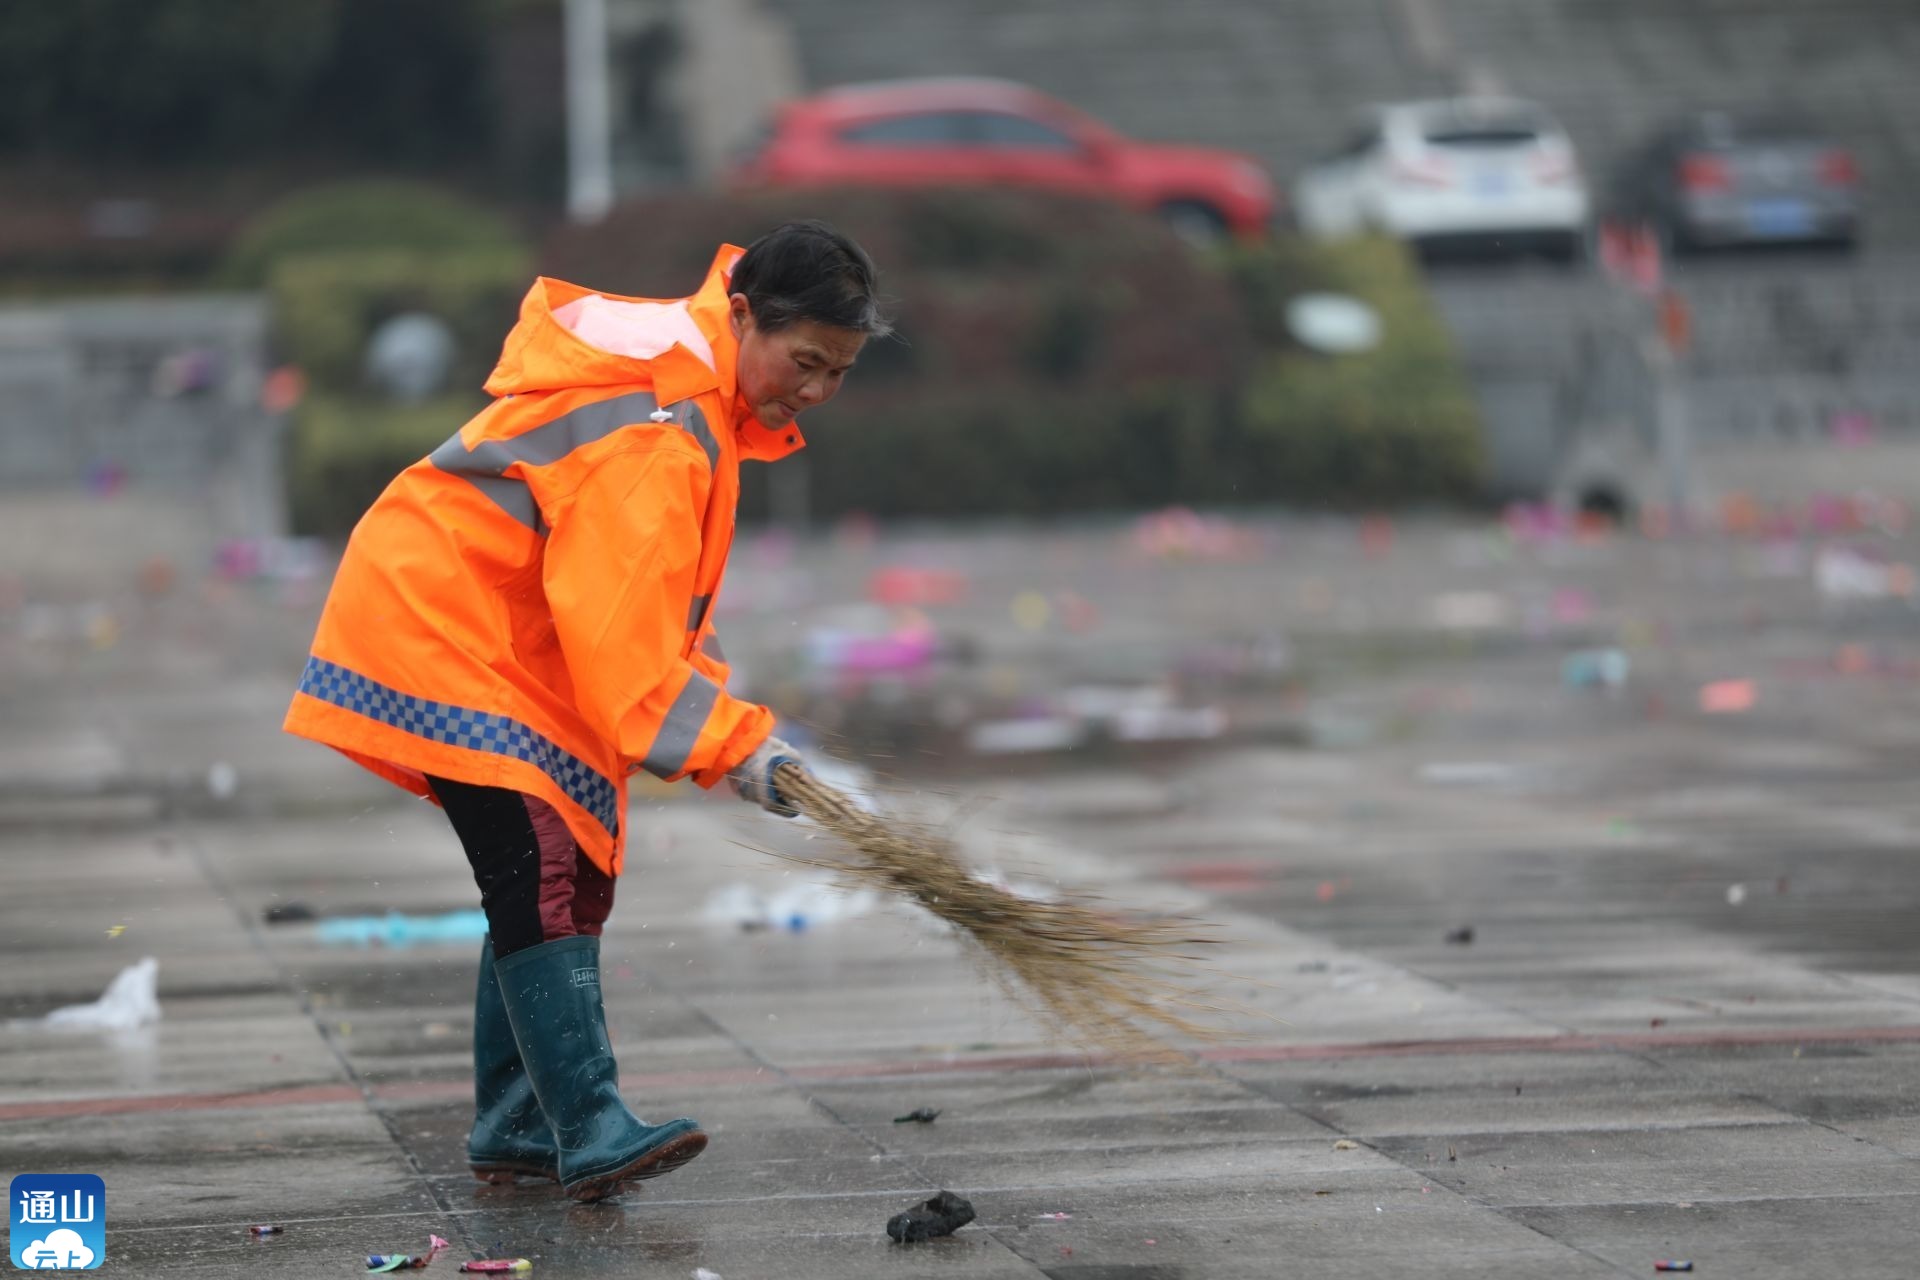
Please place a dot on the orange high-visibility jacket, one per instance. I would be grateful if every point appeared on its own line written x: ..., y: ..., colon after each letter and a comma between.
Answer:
x: 529, y: 605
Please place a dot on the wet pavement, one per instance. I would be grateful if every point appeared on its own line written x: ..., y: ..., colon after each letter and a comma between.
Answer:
x: 1685, y: 1023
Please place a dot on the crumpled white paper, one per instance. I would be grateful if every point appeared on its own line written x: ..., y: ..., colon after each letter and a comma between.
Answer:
x: 131, y: 1000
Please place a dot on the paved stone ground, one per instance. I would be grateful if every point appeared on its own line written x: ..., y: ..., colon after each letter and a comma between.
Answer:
x: 1630, y: 1060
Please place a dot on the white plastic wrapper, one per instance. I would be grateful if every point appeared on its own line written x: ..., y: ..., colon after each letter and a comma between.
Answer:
x: 131, y: 1001
x: 795, y: 908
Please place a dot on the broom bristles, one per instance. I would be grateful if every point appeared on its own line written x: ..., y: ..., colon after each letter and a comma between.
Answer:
x: 1106, y: 980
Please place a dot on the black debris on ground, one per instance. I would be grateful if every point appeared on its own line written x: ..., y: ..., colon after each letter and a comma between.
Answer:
x: 943, y: 1215
x: 290, y: 913
x: 919, y: 1115
x: 1461, y: 937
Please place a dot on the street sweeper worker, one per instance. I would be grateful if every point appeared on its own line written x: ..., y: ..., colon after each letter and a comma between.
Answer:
x: 524, y: 618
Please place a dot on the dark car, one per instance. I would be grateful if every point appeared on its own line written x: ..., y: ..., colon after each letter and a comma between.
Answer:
x: 1725, y: 178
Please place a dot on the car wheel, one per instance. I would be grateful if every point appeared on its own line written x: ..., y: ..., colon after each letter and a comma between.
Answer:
x: 1195, y: 221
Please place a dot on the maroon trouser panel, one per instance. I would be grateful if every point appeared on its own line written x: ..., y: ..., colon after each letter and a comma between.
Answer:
x: 536, y: 883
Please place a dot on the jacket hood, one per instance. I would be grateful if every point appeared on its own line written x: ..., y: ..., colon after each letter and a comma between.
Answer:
x: 572, y: 336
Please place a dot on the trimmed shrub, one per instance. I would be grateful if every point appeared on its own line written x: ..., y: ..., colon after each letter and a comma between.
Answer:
x: 344, y: 451
x: 1395, y: 424
x: 327, y: 305
x: 363, y: 215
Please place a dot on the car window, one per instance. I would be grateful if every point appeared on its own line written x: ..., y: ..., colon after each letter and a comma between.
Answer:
x: 1493, y: 135
x: 1713, y: 132
x: 921, y: 129
x: 999, y: 129
x: 1359, y: 143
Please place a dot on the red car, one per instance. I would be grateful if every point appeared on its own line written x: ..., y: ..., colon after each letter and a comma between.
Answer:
x: 929, y: 132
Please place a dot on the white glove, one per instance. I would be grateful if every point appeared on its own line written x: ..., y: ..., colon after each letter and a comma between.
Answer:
x: 753, y: 780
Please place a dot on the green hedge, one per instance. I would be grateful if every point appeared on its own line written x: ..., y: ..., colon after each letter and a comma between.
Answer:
x: 326, y: 306
x: 1054, y: 355
x: 1395, y: 424
x: 345, y: 450
x: 363, y: 215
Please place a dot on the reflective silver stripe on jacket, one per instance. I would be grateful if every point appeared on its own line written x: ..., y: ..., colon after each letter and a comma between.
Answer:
x: 681, y: 729
x: 485, y: 465
x: 697, y: 611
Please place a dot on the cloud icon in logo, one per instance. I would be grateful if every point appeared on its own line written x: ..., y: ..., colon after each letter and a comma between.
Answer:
x: 61, y: 1249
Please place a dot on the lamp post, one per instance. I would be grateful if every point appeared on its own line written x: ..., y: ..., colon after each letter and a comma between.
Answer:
x: 589, y: 125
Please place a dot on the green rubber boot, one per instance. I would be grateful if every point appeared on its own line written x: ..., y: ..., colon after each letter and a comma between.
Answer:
x: 552, y: 994
x: 510, y: 1137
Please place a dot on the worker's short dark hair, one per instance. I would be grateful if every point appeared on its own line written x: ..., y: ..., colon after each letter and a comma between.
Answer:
x: 809, y: 271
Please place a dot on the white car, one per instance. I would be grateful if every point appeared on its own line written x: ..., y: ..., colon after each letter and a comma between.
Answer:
x: 1492, y: 172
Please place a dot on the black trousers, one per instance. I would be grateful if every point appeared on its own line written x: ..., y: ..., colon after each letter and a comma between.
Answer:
x: 536, y: 883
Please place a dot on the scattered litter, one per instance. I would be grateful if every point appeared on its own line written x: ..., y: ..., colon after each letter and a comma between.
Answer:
x: 1736, y: 894
x: 919, y: 1115
x: 1845, y: 574
x: 511, y: 1265
x: 796, y: 908
x: 701, y: 1273
x: 1461, y: 937
x: 115, y: 930
x: 265, y: 1230
x: 1179, y: 533
x: 1020, y: 737
x: 1346, y: 1144
x: 1168, y: 724
x: 406, y: 1261
x: 289, y: 913
x: 130, y: 1001
x: 396, y: 929
x: 1664, y: 1265
x: 1055, y: 1217
x: 943, y: 1215
x: 1596, y: 669
x: 1728, y: 697
x: 902, y: 585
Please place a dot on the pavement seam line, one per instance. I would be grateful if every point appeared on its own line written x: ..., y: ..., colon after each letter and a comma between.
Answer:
x: 257, y: 937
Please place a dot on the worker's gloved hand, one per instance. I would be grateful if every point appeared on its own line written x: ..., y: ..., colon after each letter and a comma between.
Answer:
x: 753, y: 780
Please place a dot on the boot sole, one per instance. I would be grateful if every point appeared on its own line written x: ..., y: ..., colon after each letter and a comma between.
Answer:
x: 664, y: 1158
x: 498, y: 1175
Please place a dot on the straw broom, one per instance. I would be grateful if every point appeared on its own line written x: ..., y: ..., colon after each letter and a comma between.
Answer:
x: 1109, y: 981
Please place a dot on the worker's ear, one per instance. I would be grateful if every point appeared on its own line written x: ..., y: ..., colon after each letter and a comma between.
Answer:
x: 739, y: 315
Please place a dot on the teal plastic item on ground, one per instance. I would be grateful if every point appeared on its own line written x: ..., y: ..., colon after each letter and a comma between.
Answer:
x: 396, y: 929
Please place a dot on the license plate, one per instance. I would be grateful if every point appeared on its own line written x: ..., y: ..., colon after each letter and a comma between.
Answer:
x: 1779, y: 218
x: 1492, y: 184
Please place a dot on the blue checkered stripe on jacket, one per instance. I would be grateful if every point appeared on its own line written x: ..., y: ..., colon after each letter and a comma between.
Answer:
x: 460, y: 727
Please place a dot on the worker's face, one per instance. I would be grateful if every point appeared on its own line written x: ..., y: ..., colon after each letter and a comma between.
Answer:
x: 793, y: 369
